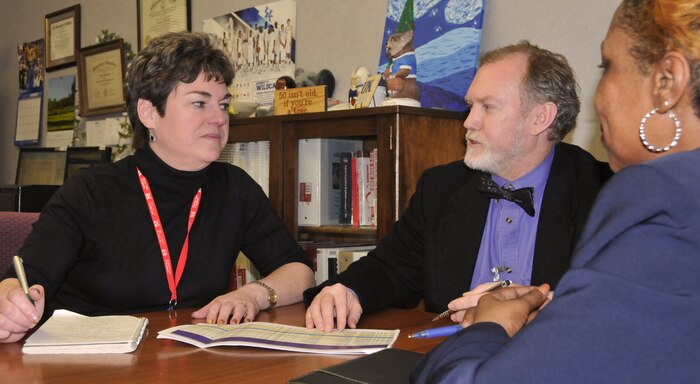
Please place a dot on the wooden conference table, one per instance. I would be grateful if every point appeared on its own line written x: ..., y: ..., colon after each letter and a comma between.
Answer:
x: 169, y: 361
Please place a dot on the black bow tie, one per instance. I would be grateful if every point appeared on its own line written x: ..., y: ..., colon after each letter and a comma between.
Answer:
x: 523, y: 196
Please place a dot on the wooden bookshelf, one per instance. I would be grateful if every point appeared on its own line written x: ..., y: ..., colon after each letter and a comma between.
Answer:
x: 409, y: 140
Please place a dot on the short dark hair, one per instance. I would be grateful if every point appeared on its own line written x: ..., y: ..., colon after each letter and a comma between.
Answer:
x: 166, y: 61
x: 548, y: 78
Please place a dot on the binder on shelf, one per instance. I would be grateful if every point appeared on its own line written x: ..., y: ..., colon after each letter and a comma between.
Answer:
x: 363, y: 192
x: 372, y: 196
x: 252, y: 157
x: 345, y: 209
x: 355, y: 217
x: 243, y: 272
x: 319, y: 192
x: 327, y: 259
x: 347, y: 257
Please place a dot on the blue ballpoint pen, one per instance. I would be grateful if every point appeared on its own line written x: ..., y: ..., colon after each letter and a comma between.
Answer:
x: 448, y: 330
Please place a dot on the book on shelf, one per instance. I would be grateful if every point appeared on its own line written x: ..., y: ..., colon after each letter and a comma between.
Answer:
x: 243, y: 272
x: 282, y: 337
x: 362, y: 209
x: 253, y: 158
x: 388, y: 366
x: 349, y: 256
x: 372, y: 194
x: 319, y: 189
x: 345, y: 208
x: 67, y: 332
x: 311, y: 247
x: 327, y: 259
x: 356, y: 180
x: 358, y: 188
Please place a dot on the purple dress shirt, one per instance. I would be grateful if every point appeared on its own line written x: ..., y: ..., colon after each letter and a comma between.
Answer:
x: 509, y: 234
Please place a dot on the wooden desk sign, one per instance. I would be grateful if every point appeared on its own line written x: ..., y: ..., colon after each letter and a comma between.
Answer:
x: 293, y: 101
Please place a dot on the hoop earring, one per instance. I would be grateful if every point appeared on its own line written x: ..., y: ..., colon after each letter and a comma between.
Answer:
x: 643, y: 134
x: 151, y: 135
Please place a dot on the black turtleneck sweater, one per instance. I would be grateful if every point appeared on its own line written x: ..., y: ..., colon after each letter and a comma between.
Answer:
x: 95, y: 251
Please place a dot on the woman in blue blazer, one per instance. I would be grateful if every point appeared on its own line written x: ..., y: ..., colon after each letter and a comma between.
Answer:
x: 628, y: 309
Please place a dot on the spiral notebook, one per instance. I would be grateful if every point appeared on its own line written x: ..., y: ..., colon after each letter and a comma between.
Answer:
x: 67, y: 332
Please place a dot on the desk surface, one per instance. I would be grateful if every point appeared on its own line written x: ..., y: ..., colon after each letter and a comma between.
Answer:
x: 169, y: 361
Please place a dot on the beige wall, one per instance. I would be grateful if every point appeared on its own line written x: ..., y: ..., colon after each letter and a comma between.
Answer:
x: 338, y: 35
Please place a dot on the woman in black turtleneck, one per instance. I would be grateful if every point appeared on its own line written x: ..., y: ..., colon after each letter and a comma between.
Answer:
x: 98, y: 247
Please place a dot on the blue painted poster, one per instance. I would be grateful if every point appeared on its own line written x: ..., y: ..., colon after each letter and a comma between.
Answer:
x: 446, y: 35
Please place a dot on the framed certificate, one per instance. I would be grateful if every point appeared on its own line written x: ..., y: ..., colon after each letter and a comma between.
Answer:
x: 28, y: 129
x: 101, y: 70
x: 158, y: 17
x: 62, y: 36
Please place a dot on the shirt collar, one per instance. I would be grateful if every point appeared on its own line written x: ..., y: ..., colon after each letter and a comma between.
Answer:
x: 536, y: 178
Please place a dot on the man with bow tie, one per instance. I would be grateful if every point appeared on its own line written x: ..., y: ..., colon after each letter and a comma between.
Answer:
x: 512, y: 210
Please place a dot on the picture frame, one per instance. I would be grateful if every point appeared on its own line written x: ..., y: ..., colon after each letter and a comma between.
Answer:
x: 29, y: 118
x: 101, y: 70
x: 158, y: 17
x: 365, y: 95
x: 62, y: 37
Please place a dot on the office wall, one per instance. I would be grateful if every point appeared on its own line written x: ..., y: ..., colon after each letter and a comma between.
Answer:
x: 338, y: 35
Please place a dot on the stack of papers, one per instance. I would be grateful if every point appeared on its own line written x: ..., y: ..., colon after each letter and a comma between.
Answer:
x: 283, y: 337
x: 70, y: 332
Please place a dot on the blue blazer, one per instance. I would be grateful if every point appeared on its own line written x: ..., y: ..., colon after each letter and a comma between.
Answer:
x: 628, y: 310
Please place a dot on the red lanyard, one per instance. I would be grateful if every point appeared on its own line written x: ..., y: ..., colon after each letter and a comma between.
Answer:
x: 172, y: 281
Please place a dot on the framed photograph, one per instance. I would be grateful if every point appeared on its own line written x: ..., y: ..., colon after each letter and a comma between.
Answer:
x: 158, y: 17
x: 101, y: 70
x: 366, y: 95
x: 62, y: 36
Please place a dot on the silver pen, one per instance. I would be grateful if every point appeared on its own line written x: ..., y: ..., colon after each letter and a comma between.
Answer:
x: 21, y: 276
x: 499, y: 284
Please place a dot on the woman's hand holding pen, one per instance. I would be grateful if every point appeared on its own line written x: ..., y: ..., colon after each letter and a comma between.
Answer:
x: 468, y: 300
x: 511, y: 308
x: 17, y: 313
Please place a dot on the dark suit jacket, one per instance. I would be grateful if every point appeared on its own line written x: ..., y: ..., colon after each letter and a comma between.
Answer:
x: 431, y: 251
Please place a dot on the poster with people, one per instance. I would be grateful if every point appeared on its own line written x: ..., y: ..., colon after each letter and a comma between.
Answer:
x: 30, y: 59
x: 436, y: 43
x: 261, y: 43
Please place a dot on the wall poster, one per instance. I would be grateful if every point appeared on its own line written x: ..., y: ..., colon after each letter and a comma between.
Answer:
x: 446, y: 39
x: 261, y: 42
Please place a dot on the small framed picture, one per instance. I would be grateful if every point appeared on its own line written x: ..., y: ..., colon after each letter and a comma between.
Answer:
x: 366, y: 94
x: 62, y: 36
x: 158, y: 17
x: 101, y: 71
